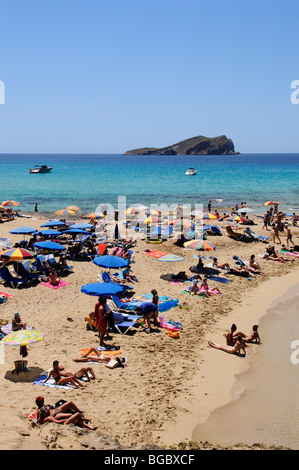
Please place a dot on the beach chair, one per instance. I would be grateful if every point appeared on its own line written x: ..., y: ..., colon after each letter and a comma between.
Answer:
x: 167, y: 232
x: 20, y: 270
x: 124, y: 326
x: 236, y: 236
x: 106, y: 278
x: 254, y: 236
x: 155, y: 234
x: 13, y: 281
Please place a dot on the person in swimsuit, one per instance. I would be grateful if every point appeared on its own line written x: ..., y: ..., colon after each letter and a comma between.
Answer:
x: 62, y: 418
x: 84, y: 372
x: 230, y: 341
x: 102, y: 316
x: 205, y: 289
x: 249, y: 339
x: 238, y: 347
x: 60, y: 379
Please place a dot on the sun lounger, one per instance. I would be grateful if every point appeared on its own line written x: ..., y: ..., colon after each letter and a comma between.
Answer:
x: 254, y: 236
x: 20, y: 270
x: 106, y: 278
x: 167, y: 233
x: 13, y: 281
x: 236, y: 236
x: 126, y: 325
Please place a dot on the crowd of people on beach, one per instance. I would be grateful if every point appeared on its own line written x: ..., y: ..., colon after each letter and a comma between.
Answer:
x: 53, y: 268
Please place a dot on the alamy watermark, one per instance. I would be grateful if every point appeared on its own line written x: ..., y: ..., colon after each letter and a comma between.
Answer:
x: 295, y: 94
x: 2, y: 92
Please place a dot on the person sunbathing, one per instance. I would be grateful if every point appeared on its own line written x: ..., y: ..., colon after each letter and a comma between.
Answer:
x: 60, y: 379
x: 206, y: 290
x: 84, y: 372
x: 251, y: 338
x: 93, y: 355
x: 53, y: 278
x: 243, y: 271
x: 272, y: 255
x: 254, y: 266
x: 63, y: 418
x: 237, y: 349
x: 220, y: 266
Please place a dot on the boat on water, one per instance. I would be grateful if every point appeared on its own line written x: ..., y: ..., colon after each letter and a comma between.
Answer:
x: 191, y: 172
x: 40, y: 169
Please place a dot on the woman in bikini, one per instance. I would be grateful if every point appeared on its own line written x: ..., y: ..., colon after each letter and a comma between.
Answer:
x: 60, y: 379
x: 237, y: 349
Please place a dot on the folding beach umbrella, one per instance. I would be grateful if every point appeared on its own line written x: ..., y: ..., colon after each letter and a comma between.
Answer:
x: 53, y: 223
x: 22, y: 338
x: 169, y: 258
x: 207, y: 216
x: 49, y: 245
x: 65, y: 212
x: 18, y: 254
x: 116, y: 234
x: 73, y: 208
x: 149, y: 220
x: 24, y: 230
x: 110, y: 261
x: 244, y: 209
x: 269, y: 203
x: 132, y: 211
x: 7, y: 203
x: 76, y: 231
x: 236, y: 218
x: 51, y: 233
x: 152, y: 212
x: 101, y: 288
x: 182, y: 222
x: 93, y: 215
x: 80, y: 225
x: 199, y: 245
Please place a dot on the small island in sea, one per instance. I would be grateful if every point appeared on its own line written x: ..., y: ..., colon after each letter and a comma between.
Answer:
x: 199, y: 145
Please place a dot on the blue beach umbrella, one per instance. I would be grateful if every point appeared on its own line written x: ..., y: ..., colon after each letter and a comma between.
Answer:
x: 101, y: 288
x: 81, y: 225
x: 76, y: 231
x: 49, y: 245
x: 24, y: 230
x: 110, y: 261
x: 50, y: 232
x: 53, y: 223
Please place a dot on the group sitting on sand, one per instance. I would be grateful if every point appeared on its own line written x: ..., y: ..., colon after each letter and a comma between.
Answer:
x: 236, y: 341
x: 64, y: 376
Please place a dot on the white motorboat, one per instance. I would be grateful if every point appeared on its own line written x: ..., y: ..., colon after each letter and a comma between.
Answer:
x: 190, y: 172
x: 40, y: 169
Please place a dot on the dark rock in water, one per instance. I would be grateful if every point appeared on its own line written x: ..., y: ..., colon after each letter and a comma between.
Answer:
x: 199, y: 145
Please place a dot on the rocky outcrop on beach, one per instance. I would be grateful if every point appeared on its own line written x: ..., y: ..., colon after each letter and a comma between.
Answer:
x: 199, y: 145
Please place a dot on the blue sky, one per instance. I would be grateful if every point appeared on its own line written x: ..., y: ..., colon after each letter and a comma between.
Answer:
x: 105, y: 77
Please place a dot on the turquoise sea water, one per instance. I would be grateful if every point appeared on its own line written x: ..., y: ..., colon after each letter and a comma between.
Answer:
x: 91, y: 180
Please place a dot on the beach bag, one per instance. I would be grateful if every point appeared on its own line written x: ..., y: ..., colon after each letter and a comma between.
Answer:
x: 3, y: 299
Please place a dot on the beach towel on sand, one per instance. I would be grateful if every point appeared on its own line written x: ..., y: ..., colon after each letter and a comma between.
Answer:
x: 61, y: 284
x: 51, y: 382
x: 155, y: 253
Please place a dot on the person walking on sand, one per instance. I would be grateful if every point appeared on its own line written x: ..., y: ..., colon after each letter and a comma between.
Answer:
x: 289, y: 236
x: 276, y: 233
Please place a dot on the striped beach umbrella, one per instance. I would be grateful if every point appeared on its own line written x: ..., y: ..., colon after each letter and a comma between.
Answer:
x: 207, y: 216
x: 199, y: 245
x: 132, y: 211
x: 73, y: 208
x: 7, y: 203
x: 22, y: 338
x: 65, y: 212
x: 182, y: 222
x: 236, y: 218
x: 170, y: 258
x: 93, y: 215
x: 269, y: 203
x: 149, y: 220
x: 17, y: 254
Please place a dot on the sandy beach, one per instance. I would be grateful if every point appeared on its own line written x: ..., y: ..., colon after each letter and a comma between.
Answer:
x: 169, y: 386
